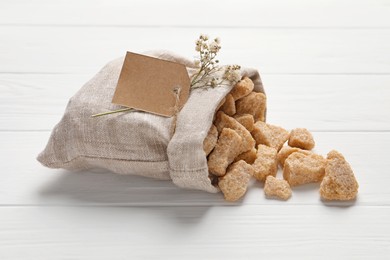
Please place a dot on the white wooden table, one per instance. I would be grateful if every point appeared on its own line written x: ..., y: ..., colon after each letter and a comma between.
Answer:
x: 325, y: 66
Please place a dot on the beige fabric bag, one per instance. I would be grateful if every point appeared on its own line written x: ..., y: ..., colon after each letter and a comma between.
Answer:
x: 137, y: 143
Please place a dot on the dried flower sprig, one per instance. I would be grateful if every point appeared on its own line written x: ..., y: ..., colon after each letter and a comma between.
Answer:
x: 208, y: 65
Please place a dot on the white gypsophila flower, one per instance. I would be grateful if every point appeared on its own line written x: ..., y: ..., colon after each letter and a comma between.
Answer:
x: 227, y: 75
x: 214, y: 82
x: 214, y: 47
x: 236, y: 76
x: 232, y: 73
x: 217, y: 40
x: 204, y: 37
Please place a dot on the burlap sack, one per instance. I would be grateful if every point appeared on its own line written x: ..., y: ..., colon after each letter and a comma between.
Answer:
x: 137, y: 143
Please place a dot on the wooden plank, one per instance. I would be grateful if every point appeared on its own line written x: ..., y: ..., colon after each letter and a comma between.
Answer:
x: 317, y: 102
x: 26, y: 182
x: 86, y: 49
x: 246, y: 13
x: 239, y: 232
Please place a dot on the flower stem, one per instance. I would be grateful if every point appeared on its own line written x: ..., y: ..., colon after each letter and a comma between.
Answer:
x: 113, y: 112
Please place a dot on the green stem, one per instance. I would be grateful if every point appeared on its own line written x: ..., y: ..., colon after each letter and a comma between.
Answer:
x: 202, y: 67
x: 196, y: 77
x: 113, y: 112
x: 213, y: 70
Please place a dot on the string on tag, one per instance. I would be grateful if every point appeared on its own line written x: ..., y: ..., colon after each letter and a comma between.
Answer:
x: 176, y: 109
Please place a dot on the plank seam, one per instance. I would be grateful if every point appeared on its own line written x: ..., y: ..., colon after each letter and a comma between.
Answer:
x: 171, y: 26
x: 314, y: 131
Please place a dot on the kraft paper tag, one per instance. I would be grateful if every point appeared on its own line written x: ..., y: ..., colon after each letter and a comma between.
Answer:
x: 153, y: 85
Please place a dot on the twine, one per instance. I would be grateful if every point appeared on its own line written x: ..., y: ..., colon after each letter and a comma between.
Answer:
x: 176, y: 109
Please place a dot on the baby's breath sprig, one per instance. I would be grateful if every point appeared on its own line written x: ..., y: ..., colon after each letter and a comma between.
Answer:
x: 208, y: 65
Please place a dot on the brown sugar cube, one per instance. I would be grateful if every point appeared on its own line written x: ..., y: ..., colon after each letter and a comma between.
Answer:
x: 339, y: 182
x: 234, y: 184
x: 224, y: 121
x: 211, y: 140
x: 226, y: 149
x: 270, y: 135
x: 229, y: 107
x: 286, y: 151
x: 301, y: 138
x: 277, y: 188
x: 302, y: 168
x: 246, y: 120
x: 242, y: 88
x: 266, y: 163
x: 248, y: 157
x: 254, y: 104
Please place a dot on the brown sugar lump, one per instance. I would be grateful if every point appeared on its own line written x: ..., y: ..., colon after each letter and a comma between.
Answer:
x: 301, y: 138
x: 339, y: 182
x: 224, y: 121
x: 255, y: 104
x: 248, y: 157
x: 246, y: 120
x: 242, y: 88
x: 270, y: 135
x: 235, y: 183
x: 277, y: 188
x: 286, y: 151
x: 229, y: 107
x: 302, y: 168
x: 211, y: 140
x: 266, y: 163
x: 226, y: 149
